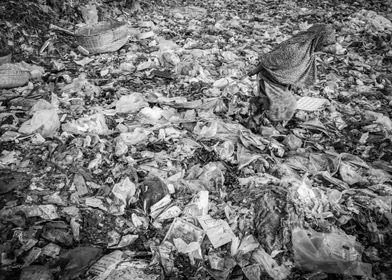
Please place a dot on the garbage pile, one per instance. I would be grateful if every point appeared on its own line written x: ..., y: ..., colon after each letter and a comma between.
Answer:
x: 142, y: 163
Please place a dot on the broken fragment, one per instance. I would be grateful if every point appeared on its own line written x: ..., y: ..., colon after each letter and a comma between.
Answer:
x: 36, y: 272
x: 311, y: 104
x: 169, y: 213
x: 218, y: 231
x: 106, y: 264
x: 198, y: 205
x: 131, y: 103
x: 89, y: 13
x: 123, y: 191
x: 328, y: 252
x: 153, y: 189
x: 184, y: 230
x: 91, y: 124
x: 160, y: 206
x: 75, y: 261
x: 186, y: 237
x: 12, y: 180
x: 216, y: 262
x: 125, y: 241
x: 45, y: 120
x: 277, y: 272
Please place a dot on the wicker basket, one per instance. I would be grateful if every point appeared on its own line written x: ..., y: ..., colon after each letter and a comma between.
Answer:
x: 5, y: 57
x: 10, y: 78
x: 103, y: 36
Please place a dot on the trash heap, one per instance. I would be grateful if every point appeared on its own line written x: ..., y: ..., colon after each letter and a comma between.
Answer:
x: 147, y: 162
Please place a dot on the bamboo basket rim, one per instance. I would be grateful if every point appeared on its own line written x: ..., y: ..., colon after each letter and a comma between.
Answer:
x: 5, y: 53
x: 11, y: 71
x: 10, y: 78
x: 9, y: 67
x: 99, y: 28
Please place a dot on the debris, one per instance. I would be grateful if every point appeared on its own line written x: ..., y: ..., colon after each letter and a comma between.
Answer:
x: 167, y: 156
x: 216, y: 262
x: 167, y: 214
x: 146, y: 35
x: 84, y: 52
x: 89, y: 14
x: 252, y: 272
x: 375, y: 21
x: 133, y: 269
x: 12, y: 180
x: 159, y: 206
x: 45, y: 121
x: 293, y: 142
x: 218, y: 231
x: 310, y: 103
x: 153, y: 189
x: 134, y: 137
x: 36, y: 272
x: 185, y: 248
x: 170, y: 59
x: 221, y: 83
x: 124, y: 191
x: 328, y: 252
x: 75, y: 261
x: 58, y: 234
x: 92, y: 124
x: 277, y: 272
x: 184, y: 230
x: 198, y: 205
x: 75, y: 228
x: 105, y: 265
x: 35, y: 71
x: 46, y: 212
x: 55, y: 27
x: 80, y: 185
x: 131, y: 103
x: 51, y: 250
x: 125, y: 241
x: 81, y: 85
x: 95, y: 203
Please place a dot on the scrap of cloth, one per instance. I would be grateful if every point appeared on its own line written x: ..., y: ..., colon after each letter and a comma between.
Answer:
x: 291, y: 64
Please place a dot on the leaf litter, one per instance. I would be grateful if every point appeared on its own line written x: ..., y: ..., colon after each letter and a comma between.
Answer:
x: 152, y: 162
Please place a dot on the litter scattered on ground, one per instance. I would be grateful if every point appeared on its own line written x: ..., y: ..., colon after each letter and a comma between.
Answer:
x: 135, y: 146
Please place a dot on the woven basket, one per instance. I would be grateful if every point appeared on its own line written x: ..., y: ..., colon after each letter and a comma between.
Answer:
x: 10, y: 78
x: 103, y: 36
x: 5, y: 57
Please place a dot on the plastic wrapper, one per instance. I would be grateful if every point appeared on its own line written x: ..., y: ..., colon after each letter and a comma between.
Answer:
x: 328, y: 252
x: 218, y: 231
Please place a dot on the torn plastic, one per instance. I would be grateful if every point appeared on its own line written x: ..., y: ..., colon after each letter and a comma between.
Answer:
x: 186, y: 237
x: 198, y: 205
x: 75, y: 261
x: 277, y: 272
x: 328, y: 252
x: 308, y: 103
x: 91, y: 124
x: 36, y: 272
x: 218, y: 231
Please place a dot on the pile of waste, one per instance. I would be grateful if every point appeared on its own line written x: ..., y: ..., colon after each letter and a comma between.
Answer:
x: 157, y: 158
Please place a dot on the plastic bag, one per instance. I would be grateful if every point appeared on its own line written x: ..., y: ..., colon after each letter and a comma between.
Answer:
x: 45, y: 121
x: 328, y: 252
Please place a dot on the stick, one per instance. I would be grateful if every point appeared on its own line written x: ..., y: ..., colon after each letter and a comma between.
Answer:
x: 55, y: 27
